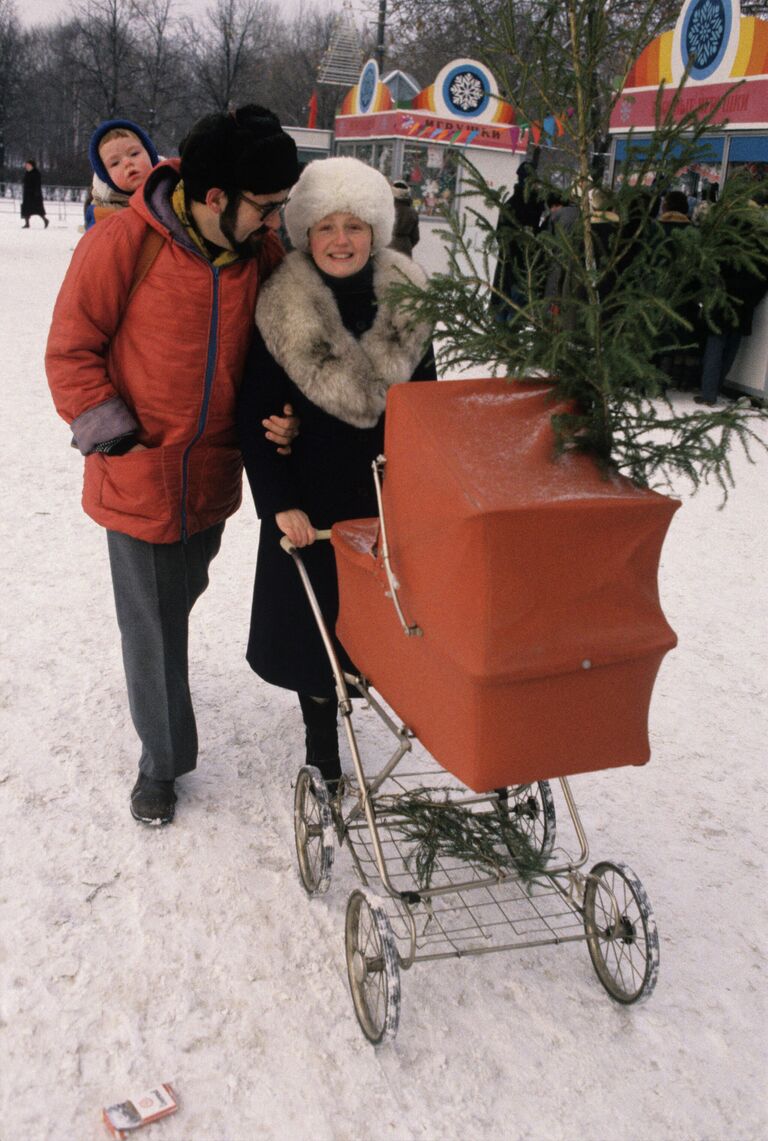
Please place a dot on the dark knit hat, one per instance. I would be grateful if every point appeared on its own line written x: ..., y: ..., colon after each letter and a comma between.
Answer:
x: 243, y: 149
x: 112, y: 125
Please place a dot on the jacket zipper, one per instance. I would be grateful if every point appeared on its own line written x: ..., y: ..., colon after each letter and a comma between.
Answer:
x: 210, y: 365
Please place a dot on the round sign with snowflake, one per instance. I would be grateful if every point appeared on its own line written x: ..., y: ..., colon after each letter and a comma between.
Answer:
x: 465, y: 92
x: 706, y: 40
x: 369, y: 81
x: 465, y: 89
x: 705, y: 36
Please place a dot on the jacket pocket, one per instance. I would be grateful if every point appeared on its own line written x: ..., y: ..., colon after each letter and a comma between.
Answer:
x: 144, y: 484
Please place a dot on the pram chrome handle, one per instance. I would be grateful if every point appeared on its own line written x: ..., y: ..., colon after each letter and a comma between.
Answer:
x: 288, y: 546
x: 412, y: 630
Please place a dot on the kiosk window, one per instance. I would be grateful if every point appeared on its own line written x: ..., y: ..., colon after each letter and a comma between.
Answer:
x: 383, y: 158
x: 701, y: 169
x: 430, y: 171
x: 751, y: 154
x: 374, y: 154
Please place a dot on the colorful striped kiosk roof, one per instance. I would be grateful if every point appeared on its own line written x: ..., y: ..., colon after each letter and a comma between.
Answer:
x: 462, y: 107
x: 726, y: 54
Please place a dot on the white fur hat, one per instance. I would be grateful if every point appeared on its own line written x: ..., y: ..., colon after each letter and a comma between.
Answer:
x: 344, y: 186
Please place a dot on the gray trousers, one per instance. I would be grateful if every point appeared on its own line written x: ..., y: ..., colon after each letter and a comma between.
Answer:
x: 156, y: 585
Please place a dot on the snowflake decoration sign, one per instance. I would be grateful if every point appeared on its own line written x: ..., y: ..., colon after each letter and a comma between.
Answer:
x: 369, y: 81
x: 464, y: 90
x: 707, y: 34
x: 467, y: 91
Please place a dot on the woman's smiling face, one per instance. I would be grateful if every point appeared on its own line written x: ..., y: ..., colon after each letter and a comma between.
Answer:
x: 340, y: 244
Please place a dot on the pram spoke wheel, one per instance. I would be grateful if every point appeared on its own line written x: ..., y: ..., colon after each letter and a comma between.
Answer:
x: 313, y: 826
x: 532, y: 809
x: 372, y: 965
x: 621, y: 932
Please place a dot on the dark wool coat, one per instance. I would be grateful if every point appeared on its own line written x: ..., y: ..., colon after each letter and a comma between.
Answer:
x: 745, y: 288
x: 328, y: 474
x: 520, y: 212
x: 405, y: 234
x: 32, y: 194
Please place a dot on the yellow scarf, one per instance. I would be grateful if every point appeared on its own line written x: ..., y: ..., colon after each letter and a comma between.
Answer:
x: 225, y: 257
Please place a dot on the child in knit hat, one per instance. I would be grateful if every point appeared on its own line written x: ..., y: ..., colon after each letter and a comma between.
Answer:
x: 121, y: 155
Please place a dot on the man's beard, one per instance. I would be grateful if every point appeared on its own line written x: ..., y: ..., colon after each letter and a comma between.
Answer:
x: 252, y: 244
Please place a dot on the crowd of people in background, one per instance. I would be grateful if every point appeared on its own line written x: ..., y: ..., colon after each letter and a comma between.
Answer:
x: 701, y: 348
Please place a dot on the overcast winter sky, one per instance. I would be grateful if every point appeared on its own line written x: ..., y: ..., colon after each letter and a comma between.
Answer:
x: 43, y: 11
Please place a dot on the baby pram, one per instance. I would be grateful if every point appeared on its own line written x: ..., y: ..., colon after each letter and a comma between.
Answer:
x: 504, y: 605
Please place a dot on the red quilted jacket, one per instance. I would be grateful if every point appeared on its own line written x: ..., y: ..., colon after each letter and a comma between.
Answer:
x: 166, y: 364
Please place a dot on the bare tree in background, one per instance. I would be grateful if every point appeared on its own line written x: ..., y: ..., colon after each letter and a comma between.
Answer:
x: 291, y: 72
x: 106, y: 52
x: 228, y: 48
x: 55, y: 124
x: 132, y: 58
x: 425, y: 34
x: 159, y: 55
x: 11, y: 70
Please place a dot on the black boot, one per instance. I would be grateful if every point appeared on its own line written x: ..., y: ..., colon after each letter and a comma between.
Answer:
x: 153, y: 801
x: 45, y: 223
x: 321, y: 736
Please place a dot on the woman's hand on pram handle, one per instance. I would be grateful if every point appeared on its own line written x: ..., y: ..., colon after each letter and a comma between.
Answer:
x: 296, y: 526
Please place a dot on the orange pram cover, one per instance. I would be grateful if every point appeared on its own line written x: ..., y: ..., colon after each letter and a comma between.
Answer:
x: 533, y: 579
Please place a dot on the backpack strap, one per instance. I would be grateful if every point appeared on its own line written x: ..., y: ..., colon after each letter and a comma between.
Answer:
x: 150, y: 248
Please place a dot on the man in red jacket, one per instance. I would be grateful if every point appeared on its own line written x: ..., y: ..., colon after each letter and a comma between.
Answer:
x: 144, y: 358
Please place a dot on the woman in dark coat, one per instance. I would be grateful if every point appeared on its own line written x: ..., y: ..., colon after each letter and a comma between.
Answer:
x: 329, y: 344
x: 405, y: 234
x: 32, y: 194
x: 745, y: 289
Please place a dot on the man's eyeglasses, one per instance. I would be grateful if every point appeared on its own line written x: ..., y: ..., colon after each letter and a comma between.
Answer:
x: 265, y: 209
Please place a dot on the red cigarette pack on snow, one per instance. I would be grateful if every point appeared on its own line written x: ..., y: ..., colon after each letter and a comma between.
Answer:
x: 125, y: 1116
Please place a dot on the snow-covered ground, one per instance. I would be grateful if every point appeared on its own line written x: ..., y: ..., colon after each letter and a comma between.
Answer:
x: 131, y: 956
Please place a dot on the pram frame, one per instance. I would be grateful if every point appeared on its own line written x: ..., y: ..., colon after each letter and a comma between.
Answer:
x: 565, y: 879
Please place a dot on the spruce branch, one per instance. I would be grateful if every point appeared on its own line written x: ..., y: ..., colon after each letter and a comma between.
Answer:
x: 437, y: 830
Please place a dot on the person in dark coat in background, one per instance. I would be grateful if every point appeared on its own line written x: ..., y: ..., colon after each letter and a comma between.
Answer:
x: 745, y: 288
x: 522, y: 210
x: 32, y: 194
x: 329, y: 343
x: 674, y: 211
x: 406, y: 232
x: 682, y: 364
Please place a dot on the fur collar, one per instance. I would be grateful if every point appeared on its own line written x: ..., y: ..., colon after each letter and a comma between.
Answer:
x: 299, y: 320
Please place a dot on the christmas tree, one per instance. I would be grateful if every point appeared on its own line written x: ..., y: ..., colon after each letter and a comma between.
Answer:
x: 598, y: 301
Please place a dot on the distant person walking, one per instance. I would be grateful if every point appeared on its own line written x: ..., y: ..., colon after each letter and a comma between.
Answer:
x: 32, y: 196
x: 405, y: 234
x: 520, y: 214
